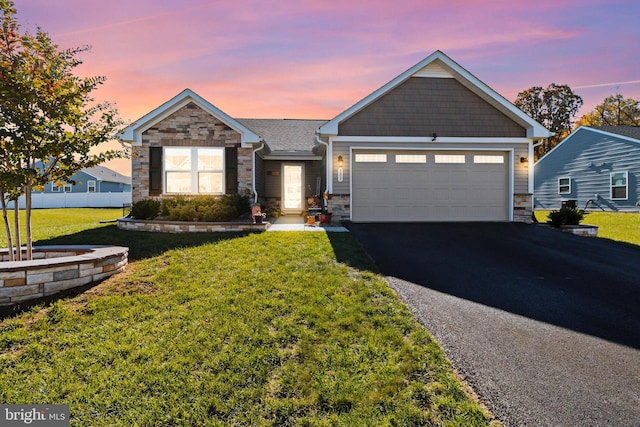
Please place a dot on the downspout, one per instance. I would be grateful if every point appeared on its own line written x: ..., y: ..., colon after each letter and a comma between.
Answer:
x: 328, y: 174
x: 253, y: 172
x: 327, y: 171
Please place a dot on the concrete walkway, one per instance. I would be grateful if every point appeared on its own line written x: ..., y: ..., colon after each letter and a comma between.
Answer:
x: 297, y: 223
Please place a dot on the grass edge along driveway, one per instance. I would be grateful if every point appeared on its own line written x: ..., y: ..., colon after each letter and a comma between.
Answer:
x: 263, y: 329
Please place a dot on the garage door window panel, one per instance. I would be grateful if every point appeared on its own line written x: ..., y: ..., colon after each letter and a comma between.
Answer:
x: 411, y: 158
x: 450, y: 158
x: 488, y: 159
x: 370, y: 158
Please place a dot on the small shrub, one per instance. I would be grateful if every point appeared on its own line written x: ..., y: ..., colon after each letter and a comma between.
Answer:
x: 566, y: 216
x: 145, y: 209
x: 204, y: 208
x: 274, y: 211
x: 168, y: 204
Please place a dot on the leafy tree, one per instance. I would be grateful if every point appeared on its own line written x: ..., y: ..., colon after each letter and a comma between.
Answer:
x: 553, y: 107
x: 615, y: 110
x: 49, y: 122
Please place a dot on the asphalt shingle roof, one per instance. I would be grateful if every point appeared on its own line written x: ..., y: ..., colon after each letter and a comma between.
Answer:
x: 285, y: 135
x: 105, y: 174
x: 630, y: 131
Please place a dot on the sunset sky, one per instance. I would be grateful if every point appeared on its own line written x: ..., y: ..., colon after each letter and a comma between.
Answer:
x: 314, y: 59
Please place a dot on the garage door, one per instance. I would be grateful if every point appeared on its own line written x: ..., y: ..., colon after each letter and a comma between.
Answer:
x: 394, y: 186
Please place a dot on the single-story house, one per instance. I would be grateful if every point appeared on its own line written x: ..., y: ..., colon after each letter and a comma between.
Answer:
x: 433, y: 144
x: 594, y: 168
x: 99, y: 179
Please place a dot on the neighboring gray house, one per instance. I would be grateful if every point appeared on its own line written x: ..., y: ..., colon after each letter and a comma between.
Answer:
x: 97, y: 187
x: 99, y: 179
x: 433, y: 144
x: 598, y: 167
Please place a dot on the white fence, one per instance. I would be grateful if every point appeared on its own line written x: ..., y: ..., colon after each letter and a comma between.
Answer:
x: 76, y: 200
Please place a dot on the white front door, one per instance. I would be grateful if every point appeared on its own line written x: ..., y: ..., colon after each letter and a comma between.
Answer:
x: 292, y: 186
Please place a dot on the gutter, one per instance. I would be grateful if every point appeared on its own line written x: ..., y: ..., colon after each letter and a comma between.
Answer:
x: 253, y: 172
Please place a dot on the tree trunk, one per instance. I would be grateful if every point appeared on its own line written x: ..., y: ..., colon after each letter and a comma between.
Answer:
x: 7, y: 226
x: 27, y: 210
x: 16, y: 229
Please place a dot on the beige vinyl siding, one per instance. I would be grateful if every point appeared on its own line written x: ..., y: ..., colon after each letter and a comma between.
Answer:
x: 341, y: 149
x: 273, y: 177
x: 313, y: 178
x: 521, y: 173
x: 260, y: 176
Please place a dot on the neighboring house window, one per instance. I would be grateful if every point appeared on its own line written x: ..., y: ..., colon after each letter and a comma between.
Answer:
x: 91, y: 186
x: 619, y: 185
x: 194, y: 170
x: 54, y: 188
x: 564, y: 185
x: 68, y: 188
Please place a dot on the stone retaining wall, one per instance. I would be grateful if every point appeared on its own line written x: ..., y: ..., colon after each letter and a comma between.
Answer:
x: 161, y: 226
x: 587, y: 230
x: 57, y: 268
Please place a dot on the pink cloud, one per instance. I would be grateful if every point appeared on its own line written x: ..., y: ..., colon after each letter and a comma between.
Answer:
x: 313, y: 58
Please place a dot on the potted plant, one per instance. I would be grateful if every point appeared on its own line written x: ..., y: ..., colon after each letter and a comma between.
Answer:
x: 257, y: 214
x: 325, y: 215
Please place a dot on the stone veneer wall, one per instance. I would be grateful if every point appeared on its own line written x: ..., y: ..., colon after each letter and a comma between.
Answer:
x: 57, y: 268
x: 523, y: 208
x: 161, y: 226
x: 340, y: 207
x: 190, y: 126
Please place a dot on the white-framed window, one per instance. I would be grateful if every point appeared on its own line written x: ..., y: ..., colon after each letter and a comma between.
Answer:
x: 370, y: 158
x: 55, y: 188
x: 488, y: 159
x: 619, y: 187
x: 68, y: 188
x: 411, y: 158
x: 564, y: 185
x: 91, y: 186
x: 450, y: 158
x: 194, y: 170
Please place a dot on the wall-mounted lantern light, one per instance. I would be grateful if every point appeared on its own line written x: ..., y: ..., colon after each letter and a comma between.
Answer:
x: 340, y: 170
x: 524, y: 161
x: 340, y: 162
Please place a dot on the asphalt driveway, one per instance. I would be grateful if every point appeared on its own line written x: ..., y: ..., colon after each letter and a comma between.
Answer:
x: 544, y: 325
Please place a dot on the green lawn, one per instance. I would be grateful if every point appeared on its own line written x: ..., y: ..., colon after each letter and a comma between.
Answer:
x: 49, y: 223
x: 620, y: 226
x: 265, y: 329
